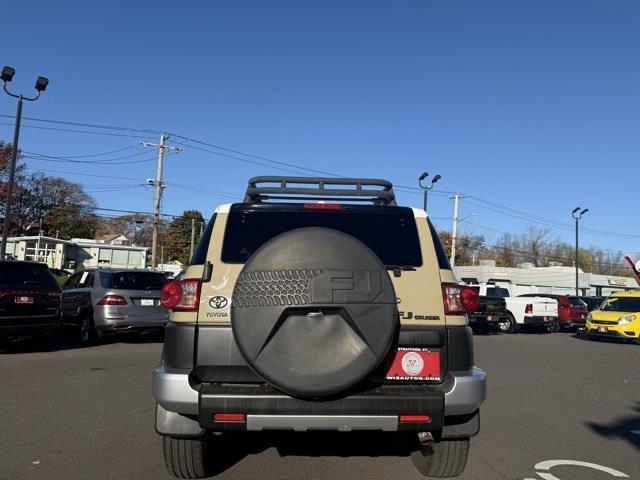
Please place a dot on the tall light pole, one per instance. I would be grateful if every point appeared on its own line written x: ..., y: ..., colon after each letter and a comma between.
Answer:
x: 41, y: 86
x: 426, y: 188
x: 576, y: 213
x: 454, y: 229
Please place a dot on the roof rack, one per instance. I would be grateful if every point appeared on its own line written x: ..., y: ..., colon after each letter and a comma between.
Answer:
x: 301, y: 188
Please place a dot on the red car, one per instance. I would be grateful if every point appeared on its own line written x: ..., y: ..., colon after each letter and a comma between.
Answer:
x: 572, y: 312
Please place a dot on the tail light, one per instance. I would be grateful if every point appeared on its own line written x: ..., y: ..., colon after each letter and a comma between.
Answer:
x: 322, y: 206
x: 528, y: 308
x: 414, y: 419
x: 182, y: 295
x: 229, y: 417
x: 459, y: 299
x: 113, y: 300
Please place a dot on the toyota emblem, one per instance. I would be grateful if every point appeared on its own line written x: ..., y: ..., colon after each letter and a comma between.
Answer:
x: 218, y: 302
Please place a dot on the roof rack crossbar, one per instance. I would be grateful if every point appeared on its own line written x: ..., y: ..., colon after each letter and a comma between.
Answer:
x: 288, y: 189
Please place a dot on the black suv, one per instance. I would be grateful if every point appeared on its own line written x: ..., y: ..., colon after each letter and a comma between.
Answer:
x: 318, y: 304
x: 29, y: 300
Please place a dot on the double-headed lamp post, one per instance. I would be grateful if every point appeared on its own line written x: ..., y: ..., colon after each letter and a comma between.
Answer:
x: 426, y: 188
x: 41, y: 86
x: 577, y: 213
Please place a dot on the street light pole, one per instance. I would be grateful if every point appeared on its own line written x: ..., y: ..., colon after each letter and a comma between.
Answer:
x: 576, y: 213
x: 41, y: 86
x: 426, y: 188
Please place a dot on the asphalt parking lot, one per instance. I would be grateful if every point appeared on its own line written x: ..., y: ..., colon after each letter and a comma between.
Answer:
x: 76, y: 413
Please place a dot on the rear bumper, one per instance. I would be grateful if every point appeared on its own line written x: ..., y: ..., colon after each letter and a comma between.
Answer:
x: 121, y: 327
x: 123, y: 323
x: 28, y: 326
x: 539, y: 320
x: 267, y: 409
x: 572, y: 324
x: 482, y: 320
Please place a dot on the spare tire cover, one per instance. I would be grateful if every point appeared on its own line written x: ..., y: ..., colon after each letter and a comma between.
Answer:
x: 314, y: 311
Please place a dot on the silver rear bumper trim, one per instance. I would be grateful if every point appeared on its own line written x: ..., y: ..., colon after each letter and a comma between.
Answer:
x: 173, y: 391
x: 341, y: 423
x: 467, y: 393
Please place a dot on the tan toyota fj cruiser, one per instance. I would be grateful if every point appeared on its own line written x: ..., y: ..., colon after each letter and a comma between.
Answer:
x: 318, y: 304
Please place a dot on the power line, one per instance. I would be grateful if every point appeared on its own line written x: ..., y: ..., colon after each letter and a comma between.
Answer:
x: 75, y: 158
x: 521, y: 215
x: 291, y: 167
x: 87, y: 156
x: 83, y: 124
x: 90, y: 162
x: 109, y: 134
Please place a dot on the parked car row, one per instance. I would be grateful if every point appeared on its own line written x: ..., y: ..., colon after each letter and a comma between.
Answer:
x: 499, y: 311
x: 97, y: 302
x: 92, y: 302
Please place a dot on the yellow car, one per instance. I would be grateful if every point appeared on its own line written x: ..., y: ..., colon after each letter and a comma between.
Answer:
x: 617, y: 318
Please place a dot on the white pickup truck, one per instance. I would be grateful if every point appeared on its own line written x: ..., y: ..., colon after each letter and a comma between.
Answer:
x: 539, y: 312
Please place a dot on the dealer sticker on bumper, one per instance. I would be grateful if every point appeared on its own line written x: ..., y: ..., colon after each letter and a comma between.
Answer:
x: 411, y: 364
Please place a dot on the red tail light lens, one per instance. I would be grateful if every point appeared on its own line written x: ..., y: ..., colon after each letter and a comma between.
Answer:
x: 459, y: 299
x: 414, y: 418
x: 183, y: 295
x: 528, y: 308
x: 229, y: 417
x: 323, y: 206
x: 113, y: 300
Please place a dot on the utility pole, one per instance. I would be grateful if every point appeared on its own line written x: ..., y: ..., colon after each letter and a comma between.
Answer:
x: 159, y: 185
x: 193, y: 236
x: 454, y: 230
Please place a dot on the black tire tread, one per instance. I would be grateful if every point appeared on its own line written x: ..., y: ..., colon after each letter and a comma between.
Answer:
x: 185, y: 457
x: 442, y: 460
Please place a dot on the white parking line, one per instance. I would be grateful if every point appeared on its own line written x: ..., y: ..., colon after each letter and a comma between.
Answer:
x: 549, y: 464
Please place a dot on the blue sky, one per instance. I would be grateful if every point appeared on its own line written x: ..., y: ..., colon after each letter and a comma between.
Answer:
x: 534, y: 106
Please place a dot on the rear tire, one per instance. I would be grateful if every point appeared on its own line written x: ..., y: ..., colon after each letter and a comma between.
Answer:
x: 186, y: 457
x: 508, y: 325
x: 87, y: 333
x: 442, y: 460
x: 554, y: 327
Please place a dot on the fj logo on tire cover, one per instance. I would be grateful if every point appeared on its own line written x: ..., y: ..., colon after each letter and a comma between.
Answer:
x: 346, y: 286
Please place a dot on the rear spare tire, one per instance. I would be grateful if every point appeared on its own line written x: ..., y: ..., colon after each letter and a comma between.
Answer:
x: 314, y: 311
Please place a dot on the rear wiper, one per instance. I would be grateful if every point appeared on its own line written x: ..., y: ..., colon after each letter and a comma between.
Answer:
x: 32, y: 282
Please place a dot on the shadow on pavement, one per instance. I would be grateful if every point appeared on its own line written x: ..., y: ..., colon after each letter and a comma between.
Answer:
x: 337, y: 444
x: 623, y: 428
x: 230, y: 448
x: 66, y: 341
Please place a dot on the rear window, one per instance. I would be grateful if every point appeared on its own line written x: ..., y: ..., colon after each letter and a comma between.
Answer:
x: 577, y: 302
x: 20, y: 274
x: 443, y: 260
x: 200, y: 253
x: 133, y: 280
x: 389, y: 231
x: 497, y: 292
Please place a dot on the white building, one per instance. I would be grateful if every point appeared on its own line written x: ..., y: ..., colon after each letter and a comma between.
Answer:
x: 561, y: 280
x: 71, y: 254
